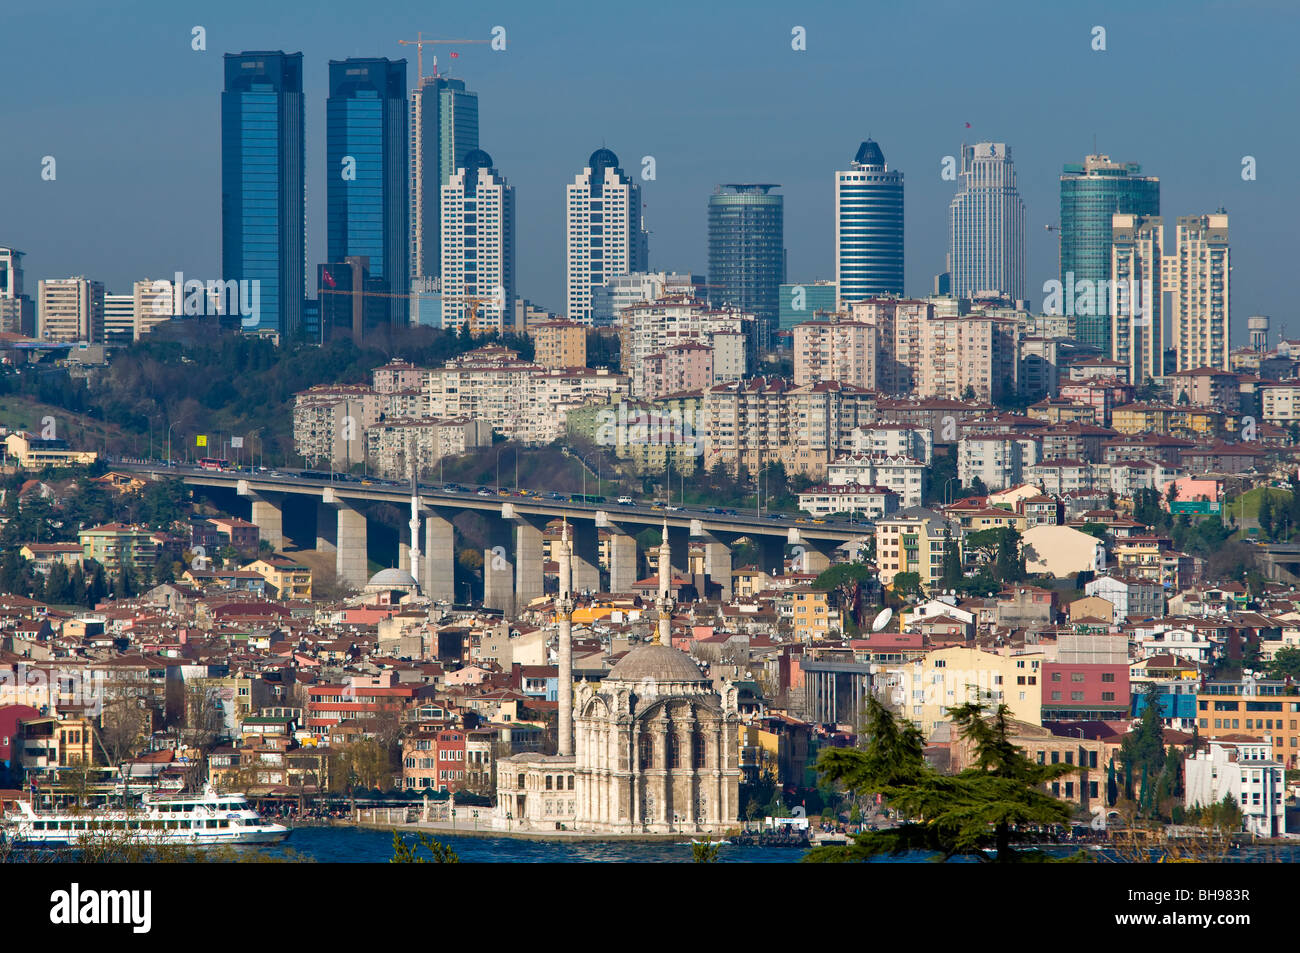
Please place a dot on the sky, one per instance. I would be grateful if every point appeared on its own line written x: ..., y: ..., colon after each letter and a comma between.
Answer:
x: 714, y: 92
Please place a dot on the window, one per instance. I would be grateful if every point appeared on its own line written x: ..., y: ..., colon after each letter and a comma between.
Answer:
x: 1108, y: 676
x: 645, y: 751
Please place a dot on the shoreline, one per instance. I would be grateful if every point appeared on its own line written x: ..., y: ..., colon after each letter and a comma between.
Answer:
x: 460, y: 830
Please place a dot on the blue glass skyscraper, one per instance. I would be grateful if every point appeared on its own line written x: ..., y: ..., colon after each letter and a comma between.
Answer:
x: 263, y: 223
x: 868, y: 227
x: 367, y: 175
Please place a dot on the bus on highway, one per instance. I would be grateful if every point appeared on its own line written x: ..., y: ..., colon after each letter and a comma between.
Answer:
x: 585, y: 498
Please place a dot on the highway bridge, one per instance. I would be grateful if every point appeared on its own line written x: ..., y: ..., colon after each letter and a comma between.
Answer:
x: 337, y: 505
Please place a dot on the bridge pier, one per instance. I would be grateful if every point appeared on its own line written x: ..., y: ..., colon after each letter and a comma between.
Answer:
x: 438, y: 560
x: 529, y: 567
x: 622, y: 560
x: 326, y: 529
x: 586, y: 557
x: 771, y: 554
x: 498, y: 568
x: 350, y: 563
x: 265, y: 513
x: 717, y: 565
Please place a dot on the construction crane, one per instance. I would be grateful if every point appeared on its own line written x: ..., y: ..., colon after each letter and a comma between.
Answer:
x: 420, y: 43
x: 473, y: 301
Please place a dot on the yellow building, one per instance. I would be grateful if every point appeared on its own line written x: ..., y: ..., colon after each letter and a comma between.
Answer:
x: 1163, y: 418
x: 912, y: 541
x: 1141, y: 555
x: 953, y: 676
x: 33, y: 453
x: 812, y: 613
x: 288, y: 579
x: 559, y: 344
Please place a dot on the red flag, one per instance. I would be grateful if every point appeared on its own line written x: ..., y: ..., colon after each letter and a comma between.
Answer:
x: 329, y: 279
x: 454, y: 55
x: 967, y: 125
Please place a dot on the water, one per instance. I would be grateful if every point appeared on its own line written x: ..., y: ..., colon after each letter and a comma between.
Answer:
x: 364, y: 845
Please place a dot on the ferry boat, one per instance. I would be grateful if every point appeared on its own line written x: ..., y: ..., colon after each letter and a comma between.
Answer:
x: 200, y: 820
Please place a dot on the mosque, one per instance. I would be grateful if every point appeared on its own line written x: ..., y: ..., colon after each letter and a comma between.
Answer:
x: 652, y: 748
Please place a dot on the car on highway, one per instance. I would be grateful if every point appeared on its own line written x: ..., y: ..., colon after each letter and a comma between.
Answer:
x: 483, y: 491
x: 556, y: 496
x: 626, y: 501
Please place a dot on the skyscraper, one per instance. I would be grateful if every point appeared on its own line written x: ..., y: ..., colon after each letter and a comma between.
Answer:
x: 478, y: 246
x: 444, y: 129
x: 367, y: 175
x: 987, y: 225
x: 747, y: 250
x: 1092, y: 192
x: 868, y: 227
x: 604, y: 235
x: 1199, y: 280
x: 263, y: 223
x: 1135, y: 299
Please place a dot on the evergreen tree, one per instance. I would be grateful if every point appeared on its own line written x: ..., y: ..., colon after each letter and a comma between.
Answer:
x: 57, y: 585
x: 981, y: 809
x: 1010, y: 563
x: 1266, y: 515
x: 1143, y: 752
x: 952, y: 573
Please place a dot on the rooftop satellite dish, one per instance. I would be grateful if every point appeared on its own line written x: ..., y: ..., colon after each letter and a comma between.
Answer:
x: 882, y: 619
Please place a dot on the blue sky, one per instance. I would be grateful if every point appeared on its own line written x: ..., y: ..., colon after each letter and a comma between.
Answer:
x: 713, y: 91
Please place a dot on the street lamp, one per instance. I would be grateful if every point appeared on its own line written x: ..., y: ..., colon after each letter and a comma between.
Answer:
x: 946, y: 487
x: 169, y: 444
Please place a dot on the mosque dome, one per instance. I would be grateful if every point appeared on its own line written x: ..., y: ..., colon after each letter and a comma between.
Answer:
x: 659, y: 662
x: 391, y: 579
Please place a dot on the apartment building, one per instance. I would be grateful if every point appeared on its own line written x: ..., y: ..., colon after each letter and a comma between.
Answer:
x: 969, y: 356
x: 559, y: 344
x: 835, y: 351
x: 330, y: 422
x: 895, y: 440
x: 682, y: 367
x: 71, y: 309
x: 653, y: 327
x: 900, y: 473
x: 397, y: 444
x: 113, y: 545
x: 912, y: 540
x: 999, y: 461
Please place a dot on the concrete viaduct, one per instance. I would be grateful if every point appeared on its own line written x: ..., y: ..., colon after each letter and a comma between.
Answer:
x: 513, y: 556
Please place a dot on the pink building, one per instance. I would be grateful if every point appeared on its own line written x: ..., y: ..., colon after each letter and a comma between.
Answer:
x: 675, y: 369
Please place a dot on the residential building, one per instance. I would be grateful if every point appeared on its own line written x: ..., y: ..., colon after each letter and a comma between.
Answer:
x: 1199, y: 278
x: 478, y: 246
x: 1247, y: 770
x: 912, y: 540
x: 872, y: 502
x: 652, y: 327
x: 893, y: 439
x: 559, y: 344
x: 945, y: 678
x: 604, y: 233
x: 444, y: 130
x: 71, y: 310
x: 17, y: 312
x: 835, y: 351
x: 113, y: 545
x: 396, y: 444
x: 1135, y: 298
x: 904, y: 475
x: 330, y: 423
x: 998, y: 460
x: 35, y: 453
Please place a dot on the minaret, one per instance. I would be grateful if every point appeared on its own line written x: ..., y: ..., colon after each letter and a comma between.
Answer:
x: 564, y: 605
x: 665, y: 601
x: 415, y: 533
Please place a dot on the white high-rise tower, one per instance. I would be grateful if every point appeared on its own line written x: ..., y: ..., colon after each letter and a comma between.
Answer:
x: 987, y: 225
x: 604, y: 234
x: 478, y: 247
x: 1199, y: 277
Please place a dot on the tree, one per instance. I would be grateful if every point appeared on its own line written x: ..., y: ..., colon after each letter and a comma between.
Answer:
x: 405, y: 853
x: 1010, y: 563
x: 1285, y: 664
x: 846, y: 581
x: 972, y: 813
x: 907, y: 582
x: 1266, y: 515
x: 952, y: 573
x: 366, y: 761
x: 705, y: 852
x: 1143, y: 752
x: 977, y: 487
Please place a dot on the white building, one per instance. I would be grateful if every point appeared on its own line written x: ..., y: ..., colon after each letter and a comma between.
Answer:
x: 895, y: 440
x: 604, y: 234
x: 987, y: 225
x: 478, y: 246
x: 1136, y: 299
x: 871, y: 502
x: 835, y: 351
x: 1130, y: 597
x: 902, y: 474
x: 623, y: 291
x: 1245, y: 771
x: 1199, y: 279
x: 998, y: 460
x: 655, y: 326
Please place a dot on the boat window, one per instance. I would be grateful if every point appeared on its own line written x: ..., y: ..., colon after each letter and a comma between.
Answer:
x: 224, y: 823
x: 133, y: 825
x: 39, y: 825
